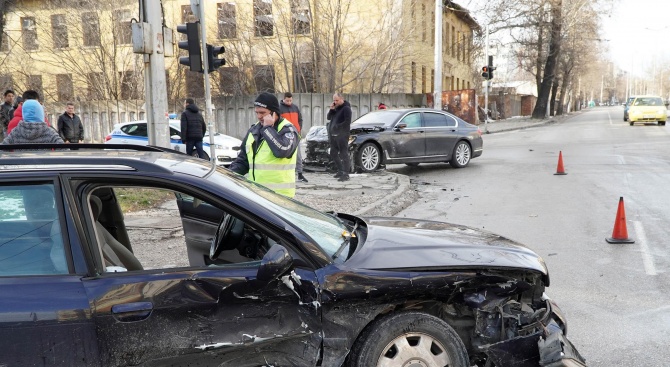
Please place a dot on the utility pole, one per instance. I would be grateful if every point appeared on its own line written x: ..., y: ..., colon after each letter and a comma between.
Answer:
x: 198, y: 8
x: 154, y: 75
x: 487, y: 83
x: 437, y: 92
x: 602, y: 83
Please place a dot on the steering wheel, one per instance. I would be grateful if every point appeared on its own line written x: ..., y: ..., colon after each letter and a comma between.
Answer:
x: 228, y: 236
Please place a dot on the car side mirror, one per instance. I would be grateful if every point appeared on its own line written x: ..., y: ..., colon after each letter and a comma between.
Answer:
x: 175, y: 137
x: 237, y: 148
x: 276, y: 262
x: 400, y: 127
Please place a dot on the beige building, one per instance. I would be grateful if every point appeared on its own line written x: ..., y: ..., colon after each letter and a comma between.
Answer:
x: 82, y: 49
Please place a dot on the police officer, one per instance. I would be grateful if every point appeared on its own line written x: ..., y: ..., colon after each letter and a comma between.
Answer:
x: 267, y: 155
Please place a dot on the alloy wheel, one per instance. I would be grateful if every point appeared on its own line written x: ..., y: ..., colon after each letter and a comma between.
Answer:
x: 370, y: 157
x: 414, y: 350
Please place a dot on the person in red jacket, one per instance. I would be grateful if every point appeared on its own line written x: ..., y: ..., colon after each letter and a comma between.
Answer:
x: 291, y: 112
x: 18, y: 110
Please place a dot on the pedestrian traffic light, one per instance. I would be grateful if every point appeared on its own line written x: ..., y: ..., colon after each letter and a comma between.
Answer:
x: 192, y: 45
x: 485, y: 72
x: 213, y: 61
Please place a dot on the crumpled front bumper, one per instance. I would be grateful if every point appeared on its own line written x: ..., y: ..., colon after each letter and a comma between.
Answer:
x: 551, y: 345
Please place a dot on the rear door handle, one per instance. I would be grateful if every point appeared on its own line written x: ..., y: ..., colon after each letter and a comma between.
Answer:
x: 136, y: 311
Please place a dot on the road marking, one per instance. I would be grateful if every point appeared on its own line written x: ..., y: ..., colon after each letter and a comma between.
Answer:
x: 609, y: 117
x: 647, y: 259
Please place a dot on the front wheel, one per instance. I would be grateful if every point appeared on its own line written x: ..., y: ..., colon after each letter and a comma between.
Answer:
x: 632, y: 123
x: 408, y: 339
x: 461, y: 156
x: 368, y: 157
x: 661, y: 123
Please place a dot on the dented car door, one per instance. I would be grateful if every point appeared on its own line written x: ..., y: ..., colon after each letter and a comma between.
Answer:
x: 209, y: 316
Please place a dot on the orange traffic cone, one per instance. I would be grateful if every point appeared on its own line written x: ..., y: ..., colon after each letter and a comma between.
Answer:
x: 559, y: 169
x: 620, y: 233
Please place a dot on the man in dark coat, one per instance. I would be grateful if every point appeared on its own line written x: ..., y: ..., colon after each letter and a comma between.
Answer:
x: 193, y: 128
x: 6, y: 112
x: 70, y: 127
x: 338, y: 131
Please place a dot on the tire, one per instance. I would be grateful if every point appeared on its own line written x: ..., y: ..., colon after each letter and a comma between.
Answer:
x: 401, y: 338
x: 412, y: 164
x: 661, y: 123
x: 632, y: 123
x: 368, y: 157
x: 461, y: 155
x: 195, y: 154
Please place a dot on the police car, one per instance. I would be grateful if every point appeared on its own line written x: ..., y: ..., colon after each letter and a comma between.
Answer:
x: 136, y: 132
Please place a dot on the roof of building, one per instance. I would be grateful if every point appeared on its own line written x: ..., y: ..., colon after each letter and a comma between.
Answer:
x: 463, y: 14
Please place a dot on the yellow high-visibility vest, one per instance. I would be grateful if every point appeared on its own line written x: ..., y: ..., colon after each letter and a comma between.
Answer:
x: 277, y: 174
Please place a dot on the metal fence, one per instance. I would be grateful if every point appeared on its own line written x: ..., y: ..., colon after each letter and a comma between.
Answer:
x: 232, y: 115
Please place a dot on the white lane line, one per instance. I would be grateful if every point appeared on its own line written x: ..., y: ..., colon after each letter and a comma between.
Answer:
x: 609, y: 117
x: 647, y: 259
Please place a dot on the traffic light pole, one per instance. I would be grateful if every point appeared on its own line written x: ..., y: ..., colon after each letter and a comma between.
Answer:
x: 486, y: 87
x: 205, y: 72
x: 154, y: 81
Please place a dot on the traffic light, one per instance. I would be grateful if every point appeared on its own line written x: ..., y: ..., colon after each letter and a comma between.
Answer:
x: 192, y: 44
x: 213, y: 61
x: 491, y: 68
x: 486, y: 73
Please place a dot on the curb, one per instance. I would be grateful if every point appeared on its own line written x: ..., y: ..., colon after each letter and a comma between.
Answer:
x: 547, y: 121
x: 403, y: 186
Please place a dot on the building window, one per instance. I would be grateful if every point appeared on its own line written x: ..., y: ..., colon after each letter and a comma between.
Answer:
x: 304, y: 79
x: 263, y: 18
x: 458, y: 83
x: 129, y: 85
x: 29, y: 33
x: 459, y: 46
x: 123, y: 34
x: 91, y: 29
x: 432, y: 28
x: 65, y: 89
x: 423, y: 79
x: 453, y: 41
x: 96, y: 84
x: 445, y: 39
x: 425, y: 22
x: 4, y: 43
x: 34, y: 82
x: 300, y: 16
x: 6, y: 82
x: 187, y: 15
x: 227, y: 24
x: 59, y: 31
x: 264, y: 78
x: 413, y: 77
x: 194, y: 84
x: 230, y: 81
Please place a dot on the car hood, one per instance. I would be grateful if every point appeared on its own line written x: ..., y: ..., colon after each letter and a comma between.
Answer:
x: 393, y: 243
x: 222, y: 139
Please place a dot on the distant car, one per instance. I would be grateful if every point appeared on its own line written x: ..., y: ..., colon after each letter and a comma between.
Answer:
x: 135, y: 132
x: 626, y: 106
x: 648, y: 109
x: 409, y: 136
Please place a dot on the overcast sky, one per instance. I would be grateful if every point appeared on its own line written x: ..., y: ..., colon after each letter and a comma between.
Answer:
x: 639, y: 34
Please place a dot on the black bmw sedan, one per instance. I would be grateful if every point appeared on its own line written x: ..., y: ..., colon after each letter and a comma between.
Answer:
x: 409, y: 136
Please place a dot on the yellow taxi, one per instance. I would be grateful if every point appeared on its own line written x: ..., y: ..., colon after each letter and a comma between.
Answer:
x: 647, y: 109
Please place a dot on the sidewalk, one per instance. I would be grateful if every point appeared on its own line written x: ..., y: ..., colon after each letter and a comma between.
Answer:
x: 385, y: 193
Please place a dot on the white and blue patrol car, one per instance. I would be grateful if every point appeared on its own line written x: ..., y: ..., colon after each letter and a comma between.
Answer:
x: 135, y: 132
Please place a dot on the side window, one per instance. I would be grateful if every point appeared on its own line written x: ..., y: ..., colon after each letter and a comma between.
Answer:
x: 148, y: 228
x: 31, y: 242
x: 412, y: 120
x: 451, y: 122
x: 135, y: 129
x: 173, y: 131
x: 434, y: 119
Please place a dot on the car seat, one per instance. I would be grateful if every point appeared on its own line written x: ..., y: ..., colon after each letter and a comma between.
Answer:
x: 113, y: 251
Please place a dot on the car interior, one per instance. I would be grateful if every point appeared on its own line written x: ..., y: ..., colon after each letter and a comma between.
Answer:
x: 191, y: 228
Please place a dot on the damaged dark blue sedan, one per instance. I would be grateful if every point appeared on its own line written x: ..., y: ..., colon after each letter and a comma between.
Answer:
x: 240, y: 276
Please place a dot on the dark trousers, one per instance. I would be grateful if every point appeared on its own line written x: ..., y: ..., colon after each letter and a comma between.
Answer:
x: 339, y: 152
x: 197, y: 144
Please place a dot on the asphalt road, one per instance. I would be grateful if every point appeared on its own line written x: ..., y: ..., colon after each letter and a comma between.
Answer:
x: 616, y: 296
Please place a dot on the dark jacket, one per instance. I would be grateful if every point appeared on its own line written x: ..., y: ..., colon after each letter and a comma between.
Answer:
x: 193, y: 125
x: 5, y: 114
x: 32, y: 132
x: 340, y: 119
x: 70, y: 128
x: 282, y: 143
x: 291, y: 113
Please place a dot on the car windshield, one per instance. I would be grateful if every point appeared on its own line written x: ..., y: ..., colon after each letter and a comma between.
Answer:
x: 381, y: 118
x: 648, y: 101
x: 326, y: 230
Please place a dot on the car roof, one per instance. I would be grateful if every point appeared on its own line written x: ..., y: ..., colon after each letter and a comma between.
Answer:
x: 171, y: 121
x: 107, y: 157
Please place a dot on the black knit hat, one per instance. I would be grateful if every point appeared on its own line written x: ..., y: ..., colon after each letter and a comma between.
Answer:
x: 267, y: 100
